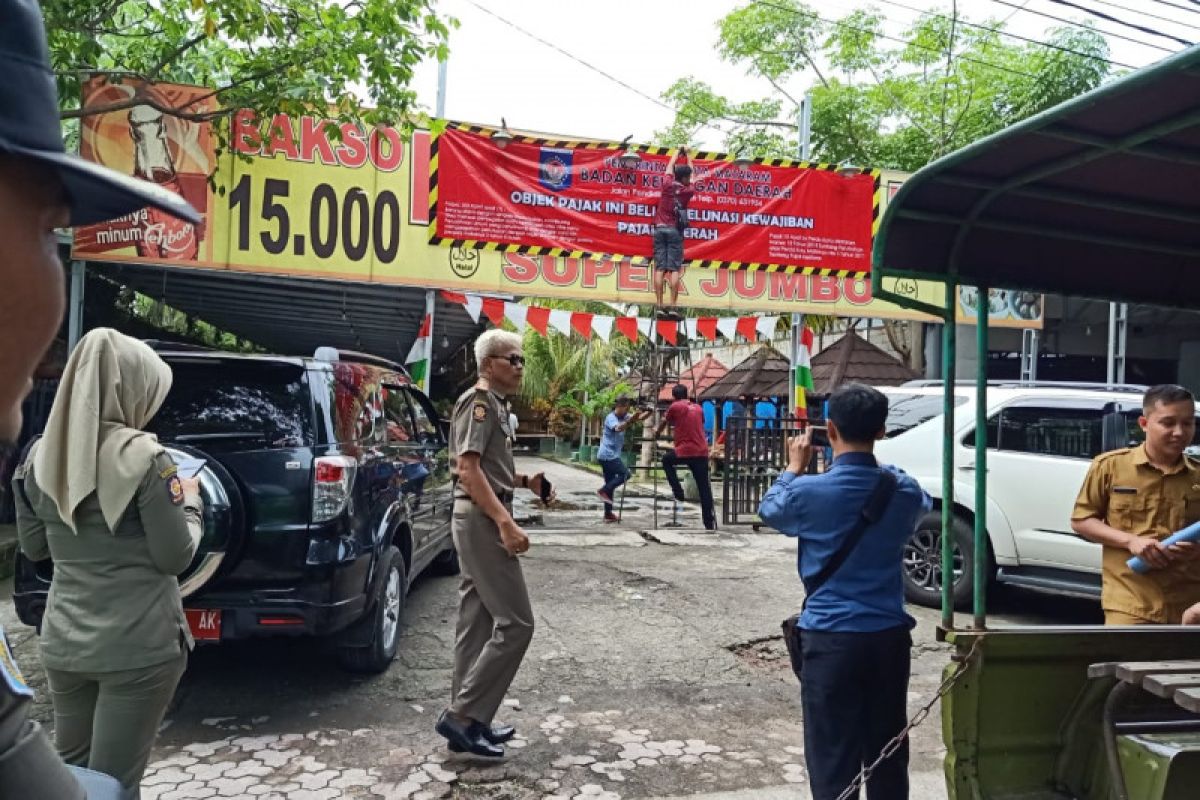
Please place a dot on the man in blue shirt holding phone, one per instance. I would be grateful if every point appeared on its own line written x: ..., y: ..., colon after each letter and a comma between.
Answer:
x: 612, y: 442
x: 855, y: 651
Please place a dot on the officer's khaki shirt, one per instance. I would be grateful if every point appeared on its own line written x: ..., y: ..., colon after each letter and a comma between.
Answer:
x: 1125, y: 491
x: 114, y: 600
x: 480, y: 425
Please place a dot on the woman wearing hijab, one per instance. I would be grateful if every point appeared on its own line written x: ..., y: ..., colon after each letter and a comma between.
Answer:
x: 103, y: 499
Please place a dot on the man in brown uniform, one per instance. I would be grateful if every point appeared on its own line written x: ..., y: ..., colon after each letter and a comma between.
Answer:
x: 1134, y: 498
x: 495, y: 620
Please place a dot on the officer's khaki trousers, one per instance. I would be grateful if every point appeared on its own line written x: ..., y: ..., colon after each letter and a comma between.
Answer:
x: 107, y: 721
x: 495, y: 620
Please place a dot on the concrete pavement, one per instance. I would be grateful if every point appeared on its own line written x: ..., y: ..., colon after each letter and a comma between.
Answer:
x: 656, y: 672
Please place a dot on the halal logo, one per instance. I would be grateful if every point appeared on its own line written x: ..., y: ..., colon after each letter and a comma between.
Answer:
x: 464, y: 261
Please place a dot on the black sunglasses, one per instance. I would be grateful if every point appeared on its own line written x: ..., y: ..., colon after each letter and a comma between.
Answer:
x: 512, y: 358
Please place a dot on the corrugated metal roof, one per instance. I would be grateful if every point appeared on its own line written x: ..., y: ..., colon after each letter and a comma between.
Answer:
x: 295, y: 316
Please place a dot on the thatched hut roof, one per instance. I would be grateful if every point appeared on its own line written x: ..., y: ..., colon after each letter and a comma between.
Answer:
x: 852, y: 359
x: 697, y: 378
x: 765, y: 373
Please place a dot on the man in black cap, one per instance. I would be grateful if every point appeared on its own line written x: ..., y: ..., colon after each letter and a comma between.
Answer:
x: 41, y: 189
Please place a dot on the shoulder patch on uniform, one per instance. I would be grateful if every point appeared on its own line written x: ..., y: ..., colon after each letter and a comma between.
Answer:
x: 175, y: 490
x: 169, y: 471
x: 479, y: 412
x: 10, y: 673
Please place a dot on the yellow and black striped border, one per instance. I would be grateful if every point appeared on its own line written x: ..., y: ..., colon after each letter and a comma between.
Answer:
x: 562, y: 252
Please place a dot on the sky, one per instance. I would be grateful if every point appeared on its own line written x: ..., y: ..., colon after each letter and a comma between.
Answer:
x: 496, y: 71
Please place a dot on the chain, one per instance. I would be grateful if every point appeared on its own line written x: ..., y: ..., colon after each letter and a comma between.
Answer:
x: 899, y: 739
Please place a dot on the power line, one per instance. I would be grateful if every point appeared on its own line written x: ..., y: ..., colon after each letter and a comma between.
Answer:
x: 1169, y: 4
x: 848, y: 26
x: 1131, y: 25
x: 712, y: 114
x: 1077, y: 25
x: 1002, y: 32
x: 1119, y: 7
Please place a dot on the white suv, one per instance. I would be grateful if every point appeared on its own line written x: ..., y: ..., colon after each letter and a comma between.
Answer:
x: 1041, y: 440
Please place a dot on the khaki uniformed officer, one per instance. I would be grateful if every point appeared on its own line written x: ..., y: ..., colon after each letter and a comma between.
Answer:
x: 495, y: 621
x: 1134, y: 498
x: 103, y: 499
x: 41, y: 189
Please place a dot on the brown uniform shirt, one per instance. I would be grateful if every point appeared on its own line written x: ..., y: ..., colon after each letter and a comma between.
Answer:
x: 480, y: 425
x: 1125, y: 491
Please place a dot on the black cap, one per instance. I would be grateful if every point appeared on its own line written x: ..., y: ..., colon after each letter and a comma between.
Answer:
x: 30, y: 127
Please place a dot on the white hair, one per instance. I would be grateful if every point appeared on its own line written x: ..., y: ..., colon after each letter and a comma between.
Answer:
x: 491, y: 342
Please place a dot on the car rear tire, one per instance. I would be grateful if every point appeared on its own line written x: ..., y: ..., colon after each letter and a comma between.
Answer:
x: 446, y: 562
x: 383, y: 618
x: 923, y: 561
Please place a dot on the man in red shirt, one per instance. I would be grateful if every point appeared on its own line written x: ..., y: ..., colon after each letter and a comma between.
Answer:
x: 670, y: 220
x: 691, y: 449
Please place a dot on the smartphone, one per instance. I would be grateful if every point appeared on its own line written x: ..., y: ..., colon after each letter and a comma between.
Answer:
x: 820, y: 435
x: 546, y: 489
x: 190, y: 467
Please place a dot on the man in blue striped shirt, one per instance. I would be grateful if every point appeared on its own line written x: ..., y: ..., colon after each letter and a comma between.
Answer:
x: 855, y: 630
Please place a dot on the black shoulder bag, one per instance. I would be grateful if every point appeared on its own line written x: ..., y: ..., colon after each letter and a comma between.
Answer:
x: 872, y: 511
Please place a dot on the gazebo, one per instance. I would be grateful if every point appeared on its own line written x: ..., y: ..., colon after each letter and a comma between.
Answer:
x: 852, y: 359
x: 697, y: 378
x: 765, y: 373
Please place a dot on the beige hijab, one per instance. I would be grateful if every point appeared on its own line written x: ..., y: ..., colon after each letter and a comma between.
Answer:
x: 112, y: 386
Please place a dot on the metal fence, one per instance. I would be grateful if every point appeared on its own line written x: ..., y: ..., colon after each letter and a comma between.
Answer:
x: 755, y: 454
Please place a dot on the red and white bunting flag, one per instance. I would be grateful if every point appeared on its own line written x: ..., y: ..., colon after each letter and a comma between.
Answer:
x: 766, y: 327
x: 707, y: 327
x: 454, y: 297
x: 561, y: 321
x: 668, y: 329
x: 539, y: 318
x: 748, y: 327
x: 728, y: 327
x: 581, y: 323
x: 644, y: 326
x: 603, y: 326
x: 474, y: 305
x: 628, y: 327
x: 516, y: 314
x: 493, y: 308
x: 689, y: 327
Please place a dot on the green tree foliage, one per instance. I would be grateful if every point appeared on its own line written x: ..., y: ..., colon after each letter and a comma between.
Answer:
x: 876, y: 101
x: 319, y: 57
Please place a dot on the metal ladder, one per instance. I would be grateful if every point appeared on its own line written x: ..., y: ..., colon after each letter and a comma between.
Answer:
x: 659, y: 364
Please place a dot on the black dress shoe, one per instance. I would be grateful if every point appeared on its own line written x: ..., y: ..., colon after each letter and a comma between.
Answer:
x: 497, y: 734
x: 466, y: 738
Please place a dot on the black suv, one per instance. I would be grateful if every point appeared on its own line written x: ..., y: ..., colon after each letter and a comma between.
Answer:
x: 326, y: 491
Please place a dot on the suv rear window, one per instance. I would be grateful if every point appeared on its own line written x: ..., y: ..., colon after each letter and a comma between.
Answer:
x: 907, y: 411
x: 254, y: 402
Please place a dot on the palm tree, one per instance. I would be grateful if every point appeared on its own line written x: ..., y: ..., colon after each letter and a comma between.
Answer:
x: 556, y: 366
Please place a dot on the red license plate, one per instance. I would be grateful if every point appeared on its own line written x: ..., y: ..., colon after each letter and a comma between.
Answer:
x: 205, y: 624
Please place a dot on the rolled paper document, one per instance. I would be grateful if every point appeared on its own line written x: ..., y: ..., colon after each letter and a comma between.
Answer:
x: 1189, y: 534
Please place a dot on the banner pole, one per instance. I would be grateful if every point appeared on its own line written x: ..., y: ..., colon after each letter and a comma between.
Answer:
x: 803, y: 143
x: 430, y: 307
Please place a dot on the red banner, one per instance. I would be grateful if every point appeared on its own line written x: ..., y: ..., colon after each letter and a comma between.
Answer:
x: 570, y: 198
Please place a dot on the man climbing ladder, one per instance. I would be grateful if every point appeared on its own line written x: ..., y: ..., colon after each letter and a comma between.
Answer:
x: 670, y: 221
